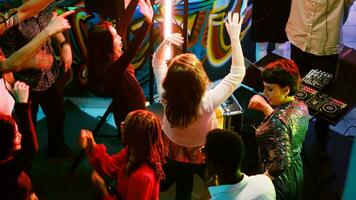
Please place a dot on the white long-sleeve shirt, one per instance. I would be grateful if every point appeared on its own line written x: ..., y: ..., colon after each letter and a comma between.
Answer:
x: 194, y: 134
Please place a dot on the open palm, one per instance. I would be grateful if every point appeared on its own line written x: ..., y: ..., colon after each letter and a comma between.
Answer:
x: 146, y: 9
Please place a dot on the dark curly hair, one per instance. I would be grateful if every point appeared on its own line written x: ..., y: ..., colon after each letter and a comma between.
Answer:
x: 283, y: 72
x: 143, y: 137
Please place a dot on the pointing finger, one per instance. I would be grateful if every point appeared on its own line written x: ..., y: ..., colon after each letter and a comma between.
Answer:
x: 66, y: 14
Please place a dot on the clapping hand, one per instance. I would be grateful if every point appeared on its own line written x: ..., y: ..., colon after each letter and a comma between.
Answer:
x: 86, y: 140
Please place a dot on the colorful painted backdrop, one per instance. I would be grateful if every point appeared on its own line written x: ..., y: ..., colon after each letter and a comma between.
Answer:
x: 207, y: 36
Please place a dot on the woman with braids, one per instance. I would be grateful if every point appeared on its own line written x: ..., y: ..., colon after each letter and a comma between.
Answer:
x: 281, y: 135
x: 138, y: 167
x: 189, y: 107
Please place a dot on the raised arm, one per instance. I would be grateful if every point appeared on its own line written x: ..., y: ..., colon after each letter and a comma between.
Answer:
x: 30, y: 8
x: 123, y: 24
x: 125, y: 59
x: 29, y: 145
x: 26, y: 10
x: 228, y: 85
x: 19, y: 59
x: 159, y: 63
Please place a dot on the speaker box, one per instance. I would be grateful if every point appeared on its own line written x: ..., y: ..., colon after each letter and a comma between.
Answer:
x: 229, y: 115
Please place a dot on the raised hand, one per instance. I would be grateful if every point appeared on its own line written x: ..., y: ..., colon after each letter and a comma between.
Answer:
x: 58, y: 23
x: 146, y: 9
x: 20, y: 91
x: 174, y: 38
x: 233, y: 25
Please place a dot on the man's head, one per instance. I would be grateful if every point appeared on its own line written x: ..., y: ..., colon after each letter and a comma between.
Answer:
x: 224, y: 150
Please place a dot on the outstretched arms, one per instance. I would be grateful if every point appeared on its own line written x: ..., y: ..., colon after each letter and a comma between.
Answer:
x: 19, y: 59
x: 30, y: 8
x: 126, y: 58
x: 26, y: 10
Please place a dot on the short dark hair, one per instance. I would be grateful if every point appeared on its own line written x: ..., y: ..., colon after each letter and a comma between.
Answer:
x: 283, y: 72
x: 7, y: 135
x: 225, y: 148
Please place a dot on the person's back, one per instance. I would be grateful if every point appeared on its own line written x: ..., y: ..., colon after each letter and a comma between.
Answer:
x: 137, y: 168
x: 224, y: 151
x: 250, y: 187
x: 189, y: 107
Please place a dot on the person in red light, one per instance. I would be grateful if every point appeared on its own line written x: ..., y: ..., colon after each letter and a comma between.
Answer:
x: 18, y: 145
x: 137, y: 168
x: 110, y: 72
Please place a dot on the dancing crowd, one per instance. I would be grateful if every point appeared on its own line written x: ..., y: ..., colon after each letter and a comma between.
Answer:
x: 157, y: 153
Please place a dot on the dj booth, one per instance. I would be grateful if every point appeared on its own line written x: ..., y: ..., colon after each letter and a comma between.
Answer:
x: 330, y: 104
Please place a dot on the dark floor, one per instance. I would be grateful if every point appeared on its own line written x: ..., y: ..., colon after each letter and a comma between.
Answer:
x: 325, y: 166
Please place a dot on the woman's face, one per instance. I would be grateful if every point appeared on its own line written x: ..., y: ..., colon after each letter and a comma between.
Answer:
x: 17, y: 139
x: 117, y: 42
x: 275, y: 94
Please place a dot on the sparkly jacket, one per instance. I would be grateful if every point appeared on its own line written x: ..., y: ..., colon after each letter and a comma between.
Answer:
x: 280, y: 139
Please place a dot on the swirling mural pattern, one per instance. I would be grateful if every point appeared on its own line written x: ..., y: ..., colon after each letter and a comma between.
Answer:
x: 206, y: 34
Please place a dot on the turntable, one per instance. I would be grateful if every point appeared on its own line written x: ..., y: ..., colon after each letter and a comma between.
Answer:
x: 305, y: 93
